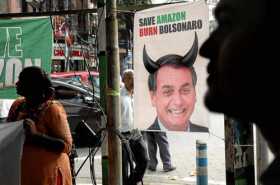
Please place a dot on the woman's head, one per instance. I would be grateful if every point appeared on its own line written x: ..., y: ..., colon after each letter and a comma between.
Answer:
x: 34, y: 84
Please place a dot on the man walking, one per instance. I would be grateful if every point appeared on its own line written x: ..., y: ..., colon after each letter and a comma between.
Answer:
x: 136, y: 142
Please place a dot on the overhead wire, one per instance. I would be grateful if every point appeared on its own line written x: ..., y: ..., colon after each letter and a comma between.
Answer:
x: 124, y: 141
x: 92, y: 151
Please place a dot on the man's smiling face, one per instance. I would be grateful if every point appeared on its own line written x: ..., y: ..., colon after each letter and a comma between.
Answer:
x: 174, y: 97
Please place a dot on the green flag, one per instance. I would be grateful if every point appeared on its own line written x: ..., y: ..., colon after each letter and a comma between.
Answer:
x: 23, y: 42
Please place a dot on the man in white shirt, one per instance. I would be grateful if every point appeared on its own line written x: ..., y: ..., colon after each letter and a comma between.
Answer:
x: 135, y: 139
x: 127, y: 102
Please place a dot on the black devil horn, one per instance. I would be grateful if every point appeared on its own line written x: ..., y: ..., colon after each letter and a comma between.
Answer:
x: 149, y: 64
x: 190, y: 57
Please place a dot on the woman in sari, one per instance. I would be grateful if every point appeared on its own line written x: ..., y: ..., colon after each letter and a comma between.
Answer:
x: 48, y: 141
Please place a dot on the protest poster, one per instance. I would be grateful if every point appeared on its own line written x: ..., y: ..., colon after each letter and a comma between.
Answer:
x: 164, y: 30
x: 23, y: 42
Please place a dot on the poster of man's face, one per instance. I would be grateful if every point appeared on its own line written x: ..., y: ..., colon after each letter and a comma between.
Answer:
x: 169, y: 74
x: 174, y: 97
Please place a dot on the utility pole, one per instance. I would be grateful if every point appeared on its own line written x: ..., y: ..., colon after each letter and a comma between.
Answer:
x: 103, y: 69
x: 113, y: 94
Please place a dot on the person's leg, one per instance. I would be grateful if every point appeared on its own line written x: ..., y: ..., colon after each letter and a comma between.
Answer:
x: 152, y: 150
x: 140, y: 154
x: 163, y: 145
x: 124, y: 165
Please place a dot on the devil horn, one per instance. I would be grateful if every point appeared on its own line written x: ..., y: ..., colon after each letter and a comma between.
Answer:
x: 149, y: 64
x: 190, y: 57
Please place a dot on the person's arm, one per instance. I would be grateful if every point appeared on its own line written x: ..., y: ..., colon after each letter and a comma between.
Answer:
x: 58, y: 125
x: 42, y: 140
x: 14, y: 109
x: 50, y: 143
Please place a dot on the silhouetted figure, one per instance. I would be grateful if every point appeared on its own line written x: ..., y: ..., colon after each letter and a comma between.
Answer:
x: 243, y: 69
x: 45, y: 157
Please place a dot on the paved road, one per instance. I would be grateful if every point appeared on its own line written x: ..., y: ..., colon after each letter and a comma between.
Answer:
x: 183, y: 150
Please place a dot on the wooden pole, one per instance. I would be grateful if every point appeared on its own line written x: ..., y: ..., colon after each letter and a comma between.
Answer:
x: 113, y: 94
x: 103, y: 69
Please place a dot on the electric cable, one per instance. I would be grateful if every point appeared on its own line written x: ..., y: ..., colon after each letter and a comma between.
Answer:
x: 59, y: 44
x: 124, y: 141
x: 93, y: 151
x: 87, y: 66
x: 94, y: 99
x: 223, y: 139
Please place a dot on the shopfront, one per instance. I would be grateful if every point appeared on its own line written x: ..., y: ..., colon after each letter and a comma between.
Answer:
x: 74, y: 58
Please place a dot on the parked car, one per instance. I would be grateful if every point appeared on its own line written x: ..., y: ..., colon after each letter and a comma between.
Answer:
x: 86, y: 77
x: 80, y: 103
x: 92, y: 89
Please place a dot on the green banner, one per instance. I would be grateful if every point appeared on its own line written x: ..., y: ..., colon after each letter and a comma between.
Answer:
x: 23, y: 42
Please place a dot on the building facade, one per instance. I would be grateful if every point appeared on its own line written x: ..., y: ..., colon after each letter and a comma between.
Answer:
x: 74, y: 38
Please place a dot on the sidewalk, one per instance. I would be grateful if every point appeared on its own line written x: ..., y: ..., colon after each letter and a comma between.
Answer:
x: 183, y: 151
x: 155, y: 178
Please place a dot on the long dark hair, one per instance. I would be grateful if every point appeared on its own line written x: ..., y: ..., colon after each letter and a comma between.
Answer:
x: 35, y: 84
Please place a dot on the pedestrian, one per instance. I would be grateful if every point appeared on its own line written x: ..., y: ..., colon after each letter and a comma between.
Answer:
x: 135, y: 142
x: 45, y: 157
x: 158, y: 140
x: 243, y: 70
